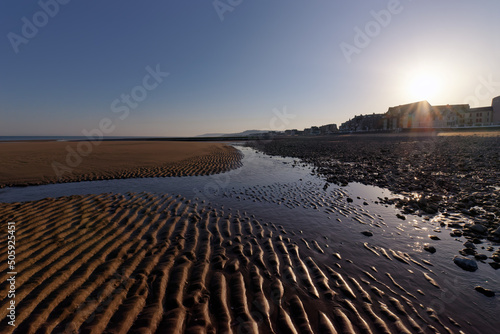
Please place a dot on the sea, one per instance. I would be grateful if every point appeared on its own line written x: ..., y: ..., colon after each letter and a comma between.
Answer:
x: 60, y: 138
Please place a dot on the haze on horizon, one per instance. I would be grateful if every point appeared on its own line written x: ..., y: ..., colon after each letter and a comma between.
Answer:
x: 179, y: 68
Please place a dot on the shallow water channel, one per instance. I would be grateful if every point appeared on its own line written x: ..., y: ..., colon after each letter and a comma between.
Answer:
x: 287, y: 193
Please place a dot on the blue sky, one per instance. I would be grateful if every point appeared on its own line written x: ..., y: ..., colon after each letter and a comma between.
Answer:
x: 262, y: 59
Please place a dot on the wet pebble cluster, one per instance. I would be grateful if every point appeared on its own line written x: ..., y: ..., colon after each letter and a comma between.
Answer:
x: 433, y: 174
x: 479, y: 239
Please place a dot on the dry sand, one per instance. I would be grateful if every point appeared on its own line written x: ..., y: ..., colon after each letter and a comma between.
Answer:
x: 143, y: 263
x: 471, y: 133
x: 33, y: 163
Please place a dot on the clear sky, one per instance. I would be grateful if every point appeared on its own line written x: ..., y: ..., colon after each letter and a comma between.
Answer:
x: 235, y: 65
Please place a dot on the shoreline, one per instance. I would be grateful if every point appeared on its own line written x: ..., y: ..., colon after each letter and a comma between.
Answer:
x: 493, y: 131
x: 434, y: 174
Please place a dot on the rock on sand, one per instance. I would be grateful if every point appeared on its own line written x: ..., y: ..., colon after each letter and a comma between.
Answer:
x: 465, y: 263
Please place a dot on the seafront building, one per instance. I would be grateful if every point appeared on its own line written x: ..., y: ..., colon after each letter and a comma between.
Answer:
x: 363, y: 123
x: 418, y: 115
x: 328, y: 129
x: 495, y: 104
x: 422, y: 115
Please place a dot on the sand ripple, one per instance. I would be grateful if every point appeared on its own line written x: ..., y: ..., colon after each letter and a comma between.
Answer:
x: 144, y: 263
x: 43, y: 163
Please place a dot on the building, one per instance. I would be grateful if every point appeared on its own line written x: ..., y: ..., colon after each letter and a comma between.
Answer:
x: 351, y: 125
x: 418, y: 115
x: 372, y: 122
x: 423, y: 115
x: 495, y: 105
x: 449, y: 116
x: 479, y: 116
x: 315, y: 130
x: 412, y: 115
x: 328, y: 129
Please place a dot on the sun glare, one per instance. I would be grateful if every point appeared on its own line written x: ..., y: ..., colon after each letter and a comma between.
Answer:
x: 424, y: 86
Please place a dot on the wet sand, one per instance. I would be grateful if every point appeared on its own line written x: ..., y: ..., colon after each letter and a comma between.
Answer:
x: 35, y: 163
x: 147, y: 263
x: 433, y: 174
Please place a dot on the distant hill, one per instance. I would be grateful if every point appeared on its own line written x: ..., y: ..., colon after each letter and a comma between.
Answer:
x: 239, y: 134
x: 211, y: 135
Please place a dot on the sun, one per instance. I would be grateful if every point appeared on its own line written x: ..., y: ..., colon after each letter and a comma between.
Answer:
x: 424, y: 86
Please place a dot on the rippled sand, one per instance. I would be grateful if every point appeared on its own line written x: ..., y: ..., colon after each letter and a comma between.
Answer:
x: 145, y: 263
x: 34, y: 163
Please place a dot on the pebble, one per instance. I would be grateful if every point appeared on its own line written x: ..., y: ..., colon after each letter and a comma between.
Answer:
x: 468, y: 251
x: 481, y: 257
x: 470, y: 245
x: 429, y: 248
x: 465, y: 263
x: 494, y: 265
x: 486, y: 292
x: 478, y: 228
x: 367, y: 233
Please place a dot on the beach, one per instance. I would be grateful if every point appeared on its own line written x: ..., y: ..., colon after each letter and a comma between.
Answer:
x: 247, y: 167
x: 271, y: 249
